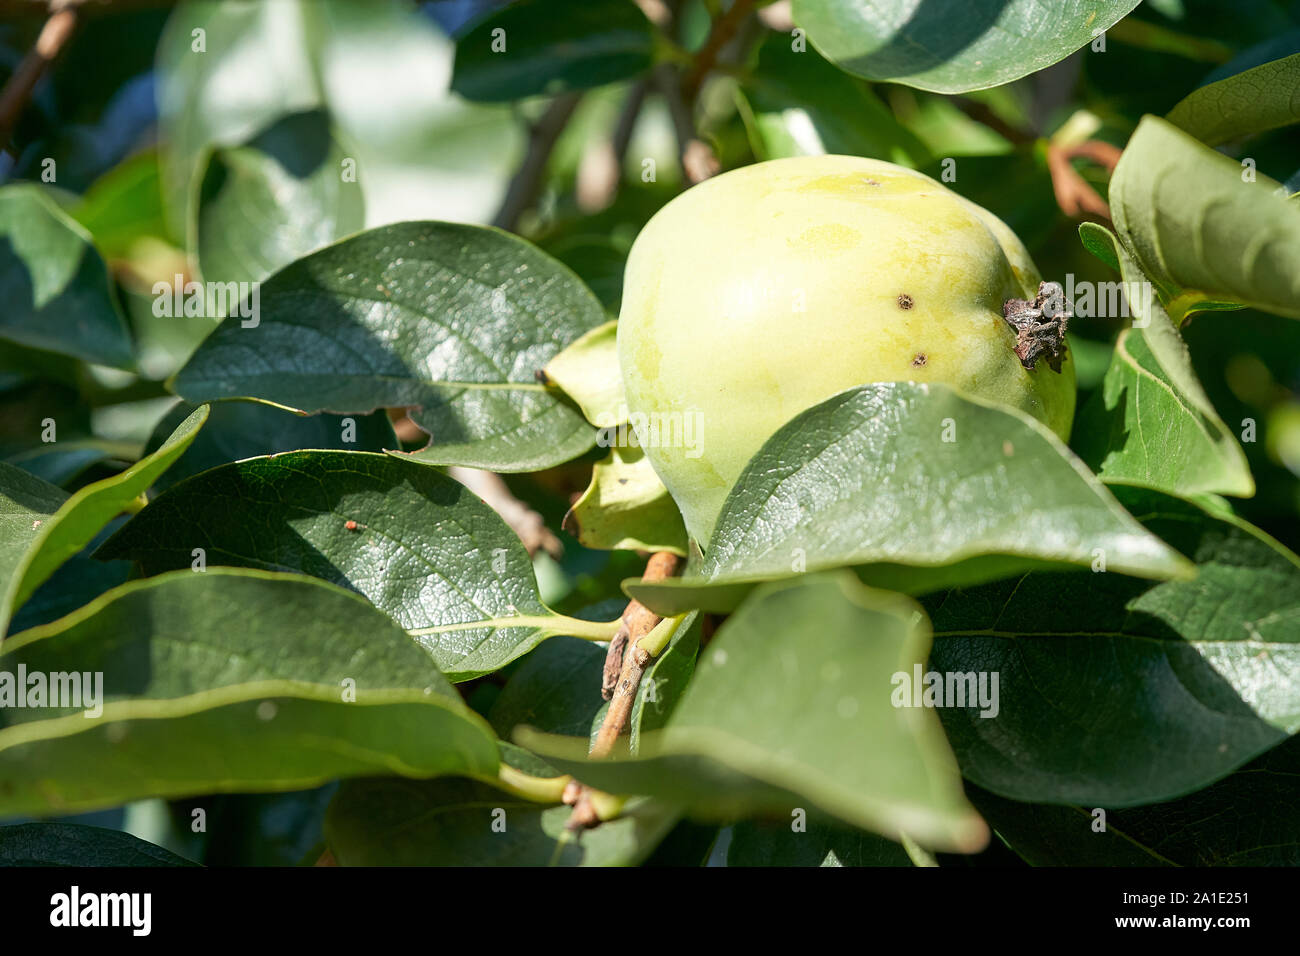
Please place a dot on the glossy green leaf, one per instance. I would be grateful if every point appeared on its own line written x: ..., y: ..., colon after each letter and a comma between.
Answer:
x: 532, y: 47
x: 238, y: 430
x: 71, y: 844
x: 195, y: 666
x: 801, y: 105
x: 951, y: 46
x: 1005, y: 494
x: 1262, y: 98
x: 1152, y: 423
x: 53, y: 283
x: 62, y: 462
x: 45, y: 539
x: 1200, y: 229
x: 455, y: 320
x: 284, y: 194
x: 589, y: 373
x: 776, y: 717
x: 1211, y: 827
x: 390, y: 822
x: 626, y: 506
x: 421, y: 546
x: 555, y: 689
x: 124, y: 205
x: 1116, y: 692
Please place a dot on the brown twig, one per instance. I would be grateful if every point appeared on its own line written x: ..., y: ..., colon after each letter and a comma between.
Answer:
x: 724, y: 28
x: 632, y: 659
x: 601, y: 169
x: 1073, y: 194
x: 523, y: 520
x: 49, y: 43
x: 696, y: 156
x: 527, y: 182
x: 983, y: 113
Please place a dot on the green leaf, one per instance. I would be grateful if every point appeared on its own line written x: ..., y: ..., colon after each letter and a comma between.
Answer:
x: 1246, y: 819
x: 44, y: 539
x: 124, y: 205
x: 1258, y: 99
x: 802, y: 105
x: 389, y: 822
x: 1116, y: 693
x: 818, y: 843
x: 53, y: 283
x: 422, y: 547
x: 62, y: 462
x: 533, y: 47
x: 1199, y: 230
x: 1004, y: 494
x: 282, y: 195
x: 626, y: 506
x: 238, y: 430
x: 1151, y: 423
x: 776, y: 717
x: 556, y: 689
x: 1100, y: 241
x: 453, y: 319
x: 952, y: 46
x: 589, y: 373
x: 195, y: 666
x: 71, y: 844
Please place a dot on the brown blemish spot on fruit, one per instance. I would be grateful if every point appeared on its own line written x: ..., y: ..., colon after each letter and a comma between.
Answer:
x: 920, y: 360
x: 904, y: 301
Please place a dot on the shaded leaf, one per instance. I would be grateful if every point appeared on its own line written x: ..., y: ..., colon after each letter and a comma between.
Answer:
x: 531, y: 47
x: 1264, y: 97
x: 951, y: 46
x: 262, y: 205
x: 819, y: 843
x: 421, y: 546
x: 43, y: 540
x: 71, y: 844
x: 1116, y: 692
x: 53, y: 283
x: 391, y: 822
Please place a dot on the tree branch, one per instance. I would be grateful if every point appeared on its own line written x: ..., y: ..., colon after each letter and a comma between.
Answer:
x: 49, y: 43
x: 542, y: 138
x: 696, y: 156
x: 724, y: 28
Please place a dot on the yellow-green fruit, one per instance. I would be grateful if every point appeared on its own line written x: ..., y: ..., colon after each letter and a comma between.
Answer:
x: 766, y: 290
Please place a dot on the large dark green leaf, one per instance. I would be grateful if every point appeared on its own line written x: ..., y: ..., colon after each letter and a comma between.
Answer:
x: 1264, y: 97
x: 194, y: 666
x: 421, y: 546
x: 238, y: 430
x: 453, y: 319
x: 53, y: 283
x: 71, y: 844
x: 1116, y: 692
x: 282, y: 195
x: 392, y: 822
x: 1248, y: 819
x: 791, y: 707
x: 951, y: 46
x: 43, y: 539
x: 1199, y: 230
x: 1151, y: 423
x: 913, y: 511
x: 548, y: 46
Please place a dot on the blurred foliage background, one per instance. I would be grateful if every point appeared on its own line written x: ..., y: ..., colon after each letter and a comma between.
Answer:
x: 129, y: 117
